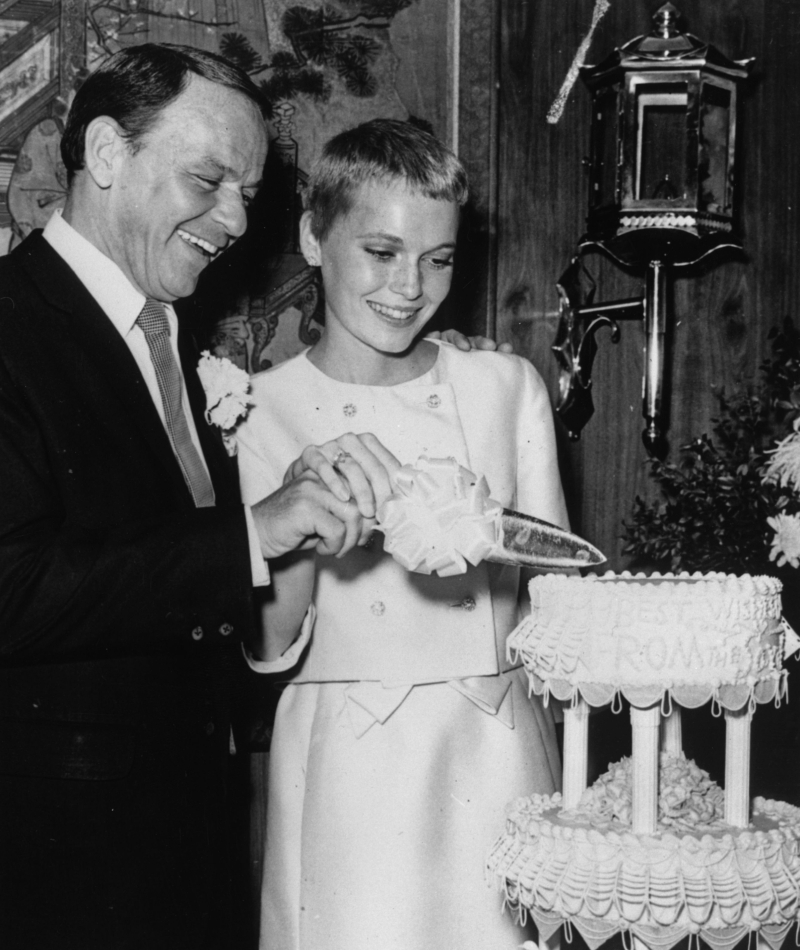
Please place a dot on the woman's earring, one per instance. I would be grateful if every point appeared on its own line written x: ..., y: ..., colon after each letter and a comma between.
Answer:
x: 312, y: 262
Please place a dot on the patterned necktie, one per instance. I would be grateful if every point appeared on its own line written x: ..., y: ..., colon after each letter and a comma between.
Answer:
x: 153, y: 321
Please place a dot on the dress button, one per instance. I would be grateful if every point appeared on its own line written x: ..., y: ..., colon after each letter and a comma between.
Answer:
x: 197, y: 633
x: 378, y: 608
x: 226, y: 629
x: 434, y: 401
x: 349, y: 409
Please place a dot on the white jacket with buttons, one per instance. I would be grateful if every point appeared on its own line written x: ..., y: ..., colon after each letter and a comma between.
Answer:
x: 374, y: 620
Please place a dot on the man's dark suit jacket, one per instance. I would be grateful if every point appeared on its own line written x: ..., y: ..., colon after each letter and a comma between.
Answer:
x: 121, y: 605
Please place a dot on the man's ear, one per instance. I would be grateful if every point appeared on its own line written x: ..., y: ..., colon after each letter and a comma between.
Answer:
x: 309, y: 244
x: 105, y: 147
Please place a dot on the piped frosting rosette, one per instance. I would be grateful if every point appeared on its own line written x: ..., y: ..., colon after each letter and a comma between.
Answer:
x: 688, y: 799
x: 440, y: 518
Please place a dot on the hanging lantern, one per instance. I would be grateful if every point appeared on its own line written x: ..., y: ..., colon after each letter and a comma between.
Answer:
x: 661, y: 178
x: 663, y: 141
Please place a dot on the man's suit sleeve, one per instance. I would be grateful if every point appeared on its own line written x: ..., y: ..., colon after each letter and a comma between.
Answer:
x: 74, y: 584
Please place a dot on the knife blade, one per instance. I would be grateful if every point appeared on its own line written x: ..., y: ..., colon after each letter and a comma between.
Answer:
x: 526, y: 541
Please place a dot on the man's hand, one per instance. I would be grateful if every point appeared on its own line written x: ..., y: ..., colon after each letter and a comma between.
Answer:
x: 304, y: 514
x: 471, y: 342
x: 329, y: 498
x: 357, y: 467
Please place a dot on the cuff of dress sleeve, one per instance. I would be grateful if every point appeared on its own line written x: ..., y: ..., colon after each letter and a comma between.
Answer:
x: 258, y: 565
x: 291, y: 655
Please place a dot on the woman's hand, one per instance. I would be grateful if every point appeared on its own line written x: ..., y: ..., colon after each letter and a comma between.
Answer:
x: 353, y: 467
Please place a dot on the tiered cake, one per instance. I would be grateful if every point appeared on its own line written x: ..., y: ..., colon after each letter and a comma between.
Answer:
x: 654, y: 847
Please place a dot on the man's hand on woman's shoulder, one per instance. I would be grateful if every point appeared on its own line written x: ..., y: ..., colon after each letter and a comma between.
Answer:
x: 467, y: 343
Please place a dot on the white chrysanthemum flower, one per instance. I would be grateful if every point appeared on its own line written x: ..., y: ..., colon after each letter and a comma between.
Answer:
x: 786, y: 543
x: 784, y: 466
x: 226, y: 387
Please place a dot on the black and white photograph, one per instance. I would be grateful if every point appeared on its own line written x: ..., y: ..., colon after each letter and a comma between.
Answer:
x: 399, y: 474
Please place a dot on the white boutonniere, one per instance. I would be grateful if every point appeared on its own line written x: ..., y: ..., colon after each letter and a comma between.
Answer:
x: 227, y: 391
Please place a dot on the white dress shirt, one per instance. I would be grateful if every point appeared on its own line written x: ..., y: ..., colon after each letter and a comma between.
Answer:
x: 122, y: 303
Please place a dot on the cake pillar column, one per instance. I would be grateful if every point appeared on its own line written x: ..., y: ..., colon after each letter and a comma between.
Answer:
x: 737, y: 767
x: 645, y: 726
x: 672, y: 732
x: 576, y: 753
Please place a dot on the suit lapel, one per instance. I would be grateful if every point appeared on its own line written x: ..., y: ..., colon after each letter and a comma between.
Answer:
x: 108, y: 353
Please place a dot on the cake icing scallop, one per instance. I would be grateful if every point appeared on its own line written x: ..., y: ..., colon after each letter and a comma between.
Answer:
x: 696, y: 875
x: 694, y: 636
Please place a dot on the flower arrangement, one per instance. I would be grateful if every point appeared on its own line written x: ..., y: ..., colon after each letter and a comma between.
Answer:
x: 227, y: 395
x: 783, y: 469
x: 688, y: 800
x: 732, y: 501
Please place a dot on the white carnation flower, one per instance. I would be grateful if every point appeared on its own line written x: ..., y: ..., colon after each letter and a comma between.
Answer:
x: 784, y: 466
x: 227, y: 388
x: 786, y: 543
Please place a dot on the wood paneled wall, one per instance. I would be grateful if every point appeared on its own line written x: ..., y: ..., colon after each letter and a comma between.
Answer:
x: 722, y: 312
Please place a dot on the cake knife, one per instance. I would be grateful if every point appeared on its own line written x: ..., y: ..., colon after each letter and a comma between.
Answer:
x: 526, y: 541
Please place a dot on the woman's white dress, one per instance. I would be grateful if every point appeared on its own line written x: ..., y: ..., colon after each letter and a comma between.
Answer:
x: 404, y: 730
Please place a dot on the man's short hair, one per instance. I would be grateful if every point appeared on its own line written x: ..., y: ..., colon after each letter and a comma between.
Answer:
x: 384, y: 150
x: 134, y: 85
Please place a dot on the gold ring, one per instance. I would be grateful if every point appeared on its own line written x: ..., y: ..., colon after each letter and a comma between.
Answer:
x: 340, y: 456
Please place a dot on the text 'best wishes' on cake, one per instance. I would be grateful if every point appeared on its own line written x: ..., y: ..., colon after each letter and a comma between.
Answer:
x: 654, y: 847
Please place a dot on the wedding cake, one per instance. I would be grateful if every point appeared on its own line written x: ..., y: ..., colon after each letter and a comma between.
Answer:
x: 654, y: 847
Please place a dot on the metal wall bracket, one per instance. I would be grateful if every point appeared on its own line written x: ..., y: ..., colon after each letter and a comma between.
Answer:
x: 575, y: 345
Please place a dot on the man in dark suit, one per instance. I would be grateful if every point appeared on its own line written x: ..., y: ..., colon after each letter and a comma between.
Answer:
x: 126, y: 558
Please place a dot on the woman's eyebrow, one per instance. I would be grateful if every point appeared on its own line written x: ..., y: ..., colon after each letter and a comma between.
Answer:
x: 393, y: 239
x: 382, y: 235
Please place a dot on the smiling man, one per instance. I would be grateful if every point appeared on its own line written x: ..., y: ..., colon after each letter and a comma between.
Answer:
x: 164, y: 203
x: 127, y: 560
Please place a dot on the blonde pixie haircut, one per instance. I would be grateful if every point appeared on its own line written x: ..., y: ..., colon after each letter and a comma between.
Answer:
x: 385, y: 150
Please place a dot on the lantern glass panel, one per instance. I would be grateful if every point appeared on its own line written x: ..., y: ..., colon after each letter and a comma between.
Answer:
x: 715, y: 118
x: 661, y: 141
x: 605, y: 130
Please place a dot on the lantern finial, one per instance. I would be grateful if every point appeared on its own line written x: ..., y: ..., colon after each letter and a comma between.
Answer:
x: 666, y: 21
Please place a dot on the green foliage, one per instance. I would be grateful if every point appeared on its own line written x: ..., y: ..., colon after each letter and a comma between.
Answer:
x: 781, y: 374
x: 714, y: 509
